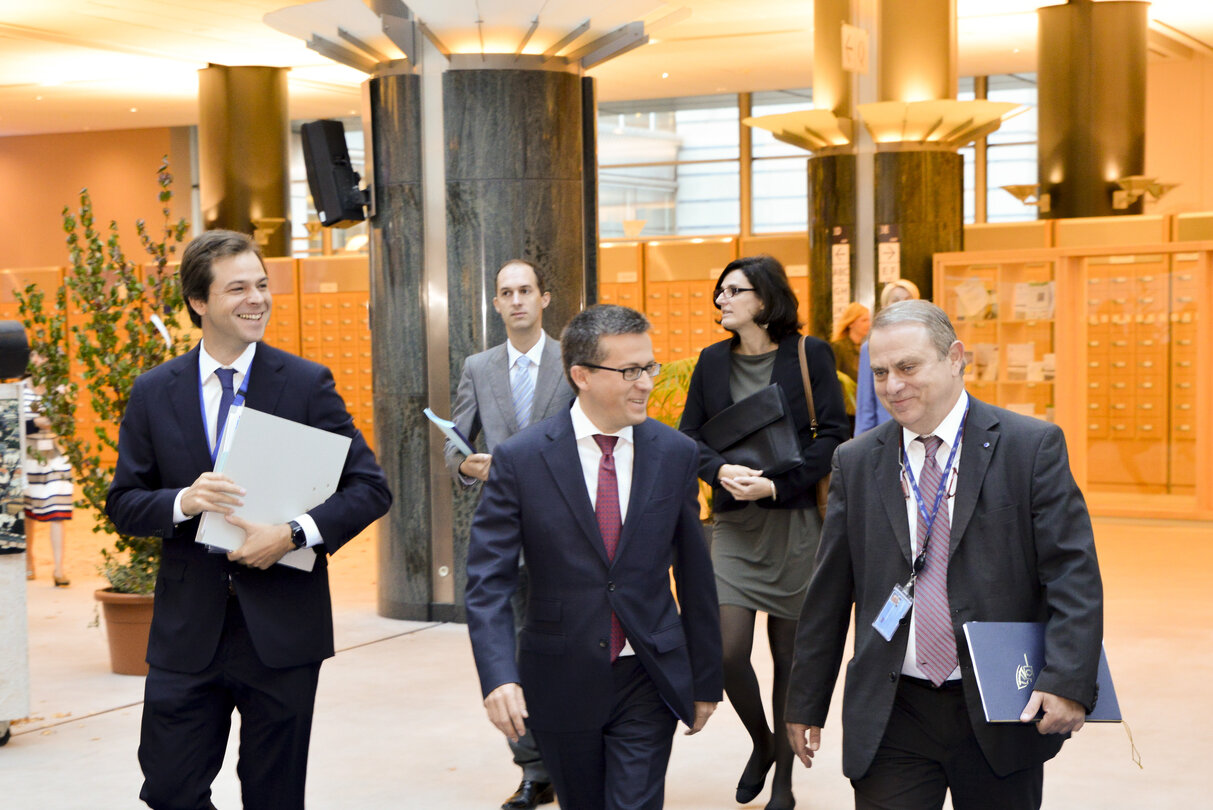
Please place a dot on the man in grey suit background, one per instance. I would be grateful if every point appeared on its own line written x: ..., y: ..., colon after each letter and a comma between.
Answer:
x: 501, y: 391
x: 979, y: 503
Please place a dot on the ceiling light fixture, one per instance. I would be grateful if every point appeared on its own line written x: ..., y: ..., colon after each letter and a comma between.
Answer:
x: 1029, y: 194
x: 1134, y: 186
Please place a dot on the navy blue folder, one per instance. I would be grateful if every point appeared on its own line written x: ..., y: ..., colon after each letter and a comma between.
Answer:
x: 1007, y: 658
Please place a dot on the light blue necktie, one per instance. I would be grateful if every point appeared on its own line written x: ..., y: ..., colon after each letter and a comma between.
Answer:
x: 524, y: 390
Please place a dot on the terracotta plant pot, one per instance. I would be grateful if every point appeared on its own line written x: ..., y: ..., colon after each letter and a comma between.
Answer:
x: 128, y: 621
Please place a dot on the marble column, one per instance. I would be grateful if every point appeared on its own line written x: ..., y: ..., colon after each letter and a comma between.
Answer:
x: 831, y: 207
x: 399, y: 345
x: 921, y: 192
x: 516, y: 187
x: 1091, y: 75
x: 243, y: 153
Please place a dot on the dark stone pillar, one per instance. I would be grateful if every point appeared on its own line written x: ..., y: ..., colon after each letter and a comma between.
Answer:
x: 515, y: 188
x: 922, y: 193
x: 831, y: 205
x: 399, y: 345
x: 244, y: 168
x: 1091, y: 75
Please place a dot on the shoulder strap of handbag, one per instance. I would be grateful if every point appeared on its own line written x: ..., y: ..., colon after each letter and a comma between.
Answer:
x: 808, y: 386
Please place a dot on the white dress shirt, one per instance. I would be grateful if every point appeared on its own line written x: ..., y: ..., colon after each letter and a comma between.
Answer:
x: 916, y: 452
x: 590, y: 454
x: 212, y: 393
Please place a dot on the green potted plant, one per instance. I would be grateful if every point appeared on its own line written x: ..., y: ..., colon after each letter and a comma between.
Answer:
x: 666, y: 403
x: 116, y: 323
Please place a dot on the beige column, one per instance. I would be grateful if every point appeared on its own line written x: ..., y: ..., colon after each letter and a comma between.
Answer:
x: 243, y: 160
x: 917, y: 50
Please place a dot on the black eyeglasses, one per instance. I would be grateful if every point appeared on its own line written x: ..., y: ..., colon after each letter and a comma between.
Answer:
x: 730, y: 292
x: 632, y: 373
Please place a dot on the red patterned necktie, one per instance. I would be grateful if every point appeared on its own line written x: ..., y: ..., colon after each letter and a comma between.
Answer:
x: 606, y: 508
x: 935, y: 640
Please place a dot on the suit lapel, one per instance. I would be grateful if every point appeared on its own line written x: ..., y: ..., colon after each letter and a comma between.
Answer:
x: 645, y: 461
x: 548, y: 382
x: 183, y: 394
x: 980, y: 439
x: 564, y: 462
x: 499, y: 383
x: 267, y: 379
x: 886, y: 467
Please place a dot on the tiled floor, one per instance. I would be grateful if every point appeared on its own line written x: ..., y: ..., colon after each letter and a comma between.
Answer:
x: 399, y: 722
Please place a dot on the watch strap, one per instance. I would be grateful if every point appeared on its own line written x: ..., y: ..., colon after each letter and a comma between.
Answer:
x: 298, y: 535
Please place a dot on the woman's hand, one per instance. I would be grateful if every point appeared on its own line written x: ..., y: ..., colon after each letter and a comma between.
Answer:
x: 748, y: 487
x: 735, y: 471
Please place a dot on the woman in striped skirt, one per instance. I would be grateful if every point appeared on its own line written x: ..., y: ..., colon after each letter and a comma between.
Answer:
x: 48, y: 485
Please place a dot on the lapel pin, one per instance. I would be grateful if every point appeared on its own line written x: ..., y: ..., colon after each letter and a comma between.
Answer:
x: 986, y: 444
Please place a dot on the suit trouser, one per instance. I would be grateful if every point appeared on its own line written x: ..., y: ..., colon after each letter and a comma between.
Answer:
x: 525, y: 750
x: 187, y: 718
x: 622, y: 765
x: 929, y: 748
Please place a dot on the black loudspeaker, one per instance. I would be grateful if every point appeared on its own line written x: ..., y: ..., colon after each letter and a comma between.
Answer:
x: 330, y: 175
x: 14, y: 349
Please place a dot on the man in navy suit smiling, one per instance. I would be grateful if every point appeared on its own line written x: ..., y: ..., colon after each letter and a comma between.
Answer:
x: 602, y: 501
x: 231, y: 630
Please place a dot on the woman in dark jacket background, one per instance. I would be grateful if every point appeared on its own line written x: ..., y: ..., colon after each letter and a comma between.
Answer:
x: 766, y: 528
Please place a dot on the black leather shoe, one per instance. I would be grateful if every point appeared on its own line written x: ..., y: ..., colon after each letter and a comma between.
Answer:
x: 8, y: 733
x: 530, y: 794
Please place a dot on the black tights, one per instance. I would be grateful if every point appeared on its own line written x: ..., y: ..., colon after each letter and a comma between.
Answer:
x: 741, y: 685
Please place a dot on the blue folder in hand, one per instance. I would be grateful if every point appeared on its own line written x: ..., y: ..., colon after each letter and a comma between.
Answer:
x: 1008, y: 657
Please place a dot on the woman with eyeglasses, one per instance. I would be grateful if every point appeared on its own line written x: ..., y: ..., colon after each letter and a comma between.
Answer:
x: 766, y: 527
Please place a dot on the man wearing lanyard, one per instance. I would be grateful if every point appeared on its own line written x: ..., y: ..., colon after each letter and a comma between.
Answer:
x: 231, y: 630
x: 955, y: 511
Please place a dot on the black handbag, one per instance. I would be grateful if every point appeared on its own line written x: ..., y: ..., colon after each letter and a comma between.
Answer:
x: 757, y: 432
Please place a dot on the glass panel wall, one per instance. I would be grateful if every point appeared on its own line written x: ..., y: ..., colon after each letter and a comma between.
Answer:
x: 669, y: 166
x: 779, y: 170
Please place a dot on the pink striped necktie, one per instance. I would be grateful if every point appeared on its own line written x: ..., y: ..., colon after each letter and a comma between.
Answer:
x: 610, y: 524
x: 935, y: 639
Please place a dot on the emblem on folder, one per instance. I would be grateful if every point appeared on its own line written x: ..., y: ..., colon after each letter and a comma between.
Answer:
x: 1024, y: 674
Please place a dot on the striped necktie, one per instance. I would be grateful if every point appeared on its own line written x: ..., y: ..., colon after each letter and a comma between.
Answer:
x: 523, y: 389
x: 934, y: 640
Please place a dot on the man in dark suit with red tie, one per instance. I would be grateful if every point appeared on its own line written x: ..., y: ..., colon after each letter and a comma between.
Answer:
x: 974, y: 508
x: 602, y: 502
x: 231, y: 630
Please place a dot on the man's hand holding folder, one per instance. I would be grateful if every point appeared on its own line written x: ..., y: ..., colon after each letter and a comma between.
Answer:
x: 1062, y: 715
x: 264, y: 544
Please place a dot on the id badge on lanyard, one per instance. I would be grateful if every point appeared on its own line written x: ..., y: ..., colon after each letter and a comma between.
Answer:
x: 901, y: 599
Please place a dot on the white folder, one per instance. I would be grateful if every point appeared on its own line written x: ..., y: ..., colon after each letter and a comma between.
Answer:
x: 285, y: 468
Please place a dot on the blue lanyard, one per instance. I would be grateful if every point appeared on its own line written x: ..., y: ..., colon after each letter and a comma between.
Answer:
x: 921, y: 559
x: 236, y: 402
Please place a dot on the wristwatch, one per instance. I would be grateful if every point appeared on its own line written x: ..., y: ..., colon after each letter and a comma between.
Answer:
x: 298, y: 536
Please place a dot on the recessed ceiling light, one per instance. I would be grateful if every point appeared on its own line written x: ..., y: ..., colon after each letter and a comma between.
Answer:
x: 134, y: 109
x: 1015, y: 50
x: 665, y: 75
x: 37, y: 98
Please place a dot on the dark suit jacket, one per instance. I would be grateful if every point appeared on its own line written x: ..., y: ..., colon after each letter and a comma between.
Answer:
x: 162, y: 448
x: 484, y: 402
x: 709, y: 395
x: 1022, y: 550
x: 536, y: 500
